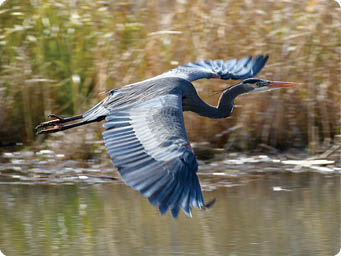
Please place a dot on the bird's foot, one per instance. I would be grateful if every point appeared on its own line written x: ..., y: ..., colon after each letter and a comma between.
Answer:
x: 55, y: 116
x: 55, y: 128
x: 45, y: 127
x: 56, y: 121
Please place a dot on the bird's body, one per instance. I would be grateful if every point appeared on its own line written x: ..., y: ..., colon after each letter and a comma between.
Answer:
x: 132, y: 95
x: 145, y: 132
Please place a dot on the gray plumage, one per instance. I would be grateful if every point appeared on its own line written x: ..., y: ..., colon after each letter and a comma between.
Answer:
x: 145, y: 132
x: 146, y: 139
x: 146, y: 136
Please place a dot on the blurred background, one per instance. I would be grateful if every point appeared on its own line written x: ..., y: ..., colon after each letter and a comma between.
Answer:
x: 273, y: 166
x: 58, y: 56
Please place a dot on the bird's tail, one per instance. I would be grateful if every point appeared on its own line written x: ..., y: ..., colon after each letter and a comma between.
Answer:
x: 99, y: 110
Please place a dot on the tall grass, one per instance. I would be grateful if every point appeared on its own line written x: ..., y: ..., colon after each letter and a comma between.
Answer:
x: 56, y: 56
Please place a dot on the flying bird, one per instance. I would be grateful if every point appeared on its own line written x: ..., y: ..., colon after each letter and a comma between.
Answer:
x: 145, y: 132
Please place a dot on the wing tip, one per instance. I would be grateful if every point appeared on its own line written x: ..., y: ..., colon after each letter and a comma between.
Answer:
x: 258, y: 64
x: 242, y: 68
x: 264, y: 58
x: 175, y: 211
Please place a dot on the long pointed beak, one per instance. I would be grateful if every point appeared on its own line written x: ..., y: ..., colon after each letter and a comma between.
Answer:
x: 276, y: 84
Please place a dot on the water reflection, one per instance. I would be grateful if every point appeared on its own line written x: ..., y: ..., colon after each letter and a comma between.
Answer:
x: 111, y: 219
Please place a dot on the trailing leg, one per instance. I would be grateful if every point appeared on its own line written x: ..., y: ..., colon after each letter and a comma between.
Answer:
x: 57, y: 124
x: 58, y: 120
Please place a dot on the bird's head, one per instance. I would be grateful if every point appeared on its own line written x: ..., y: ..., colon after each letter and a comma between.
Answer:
x: 250, y: 85
x: 254, y: 85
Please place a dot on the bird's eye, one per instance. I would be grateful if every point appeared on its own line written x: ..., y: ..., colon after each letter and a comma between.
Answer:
x: 259, y: 84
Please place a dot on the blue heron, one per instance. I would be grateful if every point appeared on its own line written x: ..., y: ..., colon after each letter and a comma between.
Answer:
x: 145, y: 133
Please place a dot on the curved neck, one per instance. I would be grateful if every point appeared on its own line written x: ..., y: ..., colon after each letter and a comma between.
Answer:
x: 237, y: 89
x: 224, y: 107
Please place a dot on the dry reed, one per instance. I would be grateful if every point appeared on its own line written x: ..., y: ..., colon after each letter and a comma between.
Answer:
x: 56, y: 56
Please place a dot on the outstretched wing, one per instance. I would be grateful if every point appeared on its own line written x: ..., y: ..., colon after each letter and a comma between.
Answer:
x: 231, y: 69
x: 149, y: 147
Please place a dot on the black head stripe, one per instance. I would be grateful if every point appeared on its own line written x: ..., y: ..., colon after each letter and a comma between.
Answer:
x: 252, y: 80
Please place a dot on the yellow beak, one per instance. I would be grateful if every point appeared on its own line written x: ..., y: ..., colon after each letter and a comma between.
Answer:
x: 276, y: 84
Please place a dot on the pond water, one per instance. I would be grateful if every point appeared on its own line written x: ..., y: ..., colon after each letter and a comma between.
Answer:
x: 275, y: 214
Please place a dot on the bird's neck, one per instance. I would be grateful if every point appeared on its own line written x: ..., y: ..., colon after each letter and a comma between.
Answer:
x: 236, y: 90
x: 225, y: 104
x: 222, y: 110
x: 224, y: 107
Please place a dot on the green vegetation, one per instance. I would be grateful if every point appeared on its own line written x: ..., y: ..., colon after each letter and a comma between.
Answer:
x: 57, y: 56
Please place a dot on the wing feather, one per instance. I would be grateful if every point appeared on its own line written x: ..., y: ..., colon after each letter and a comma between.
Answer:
x: 231, y: 69
x: 148, y: 145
